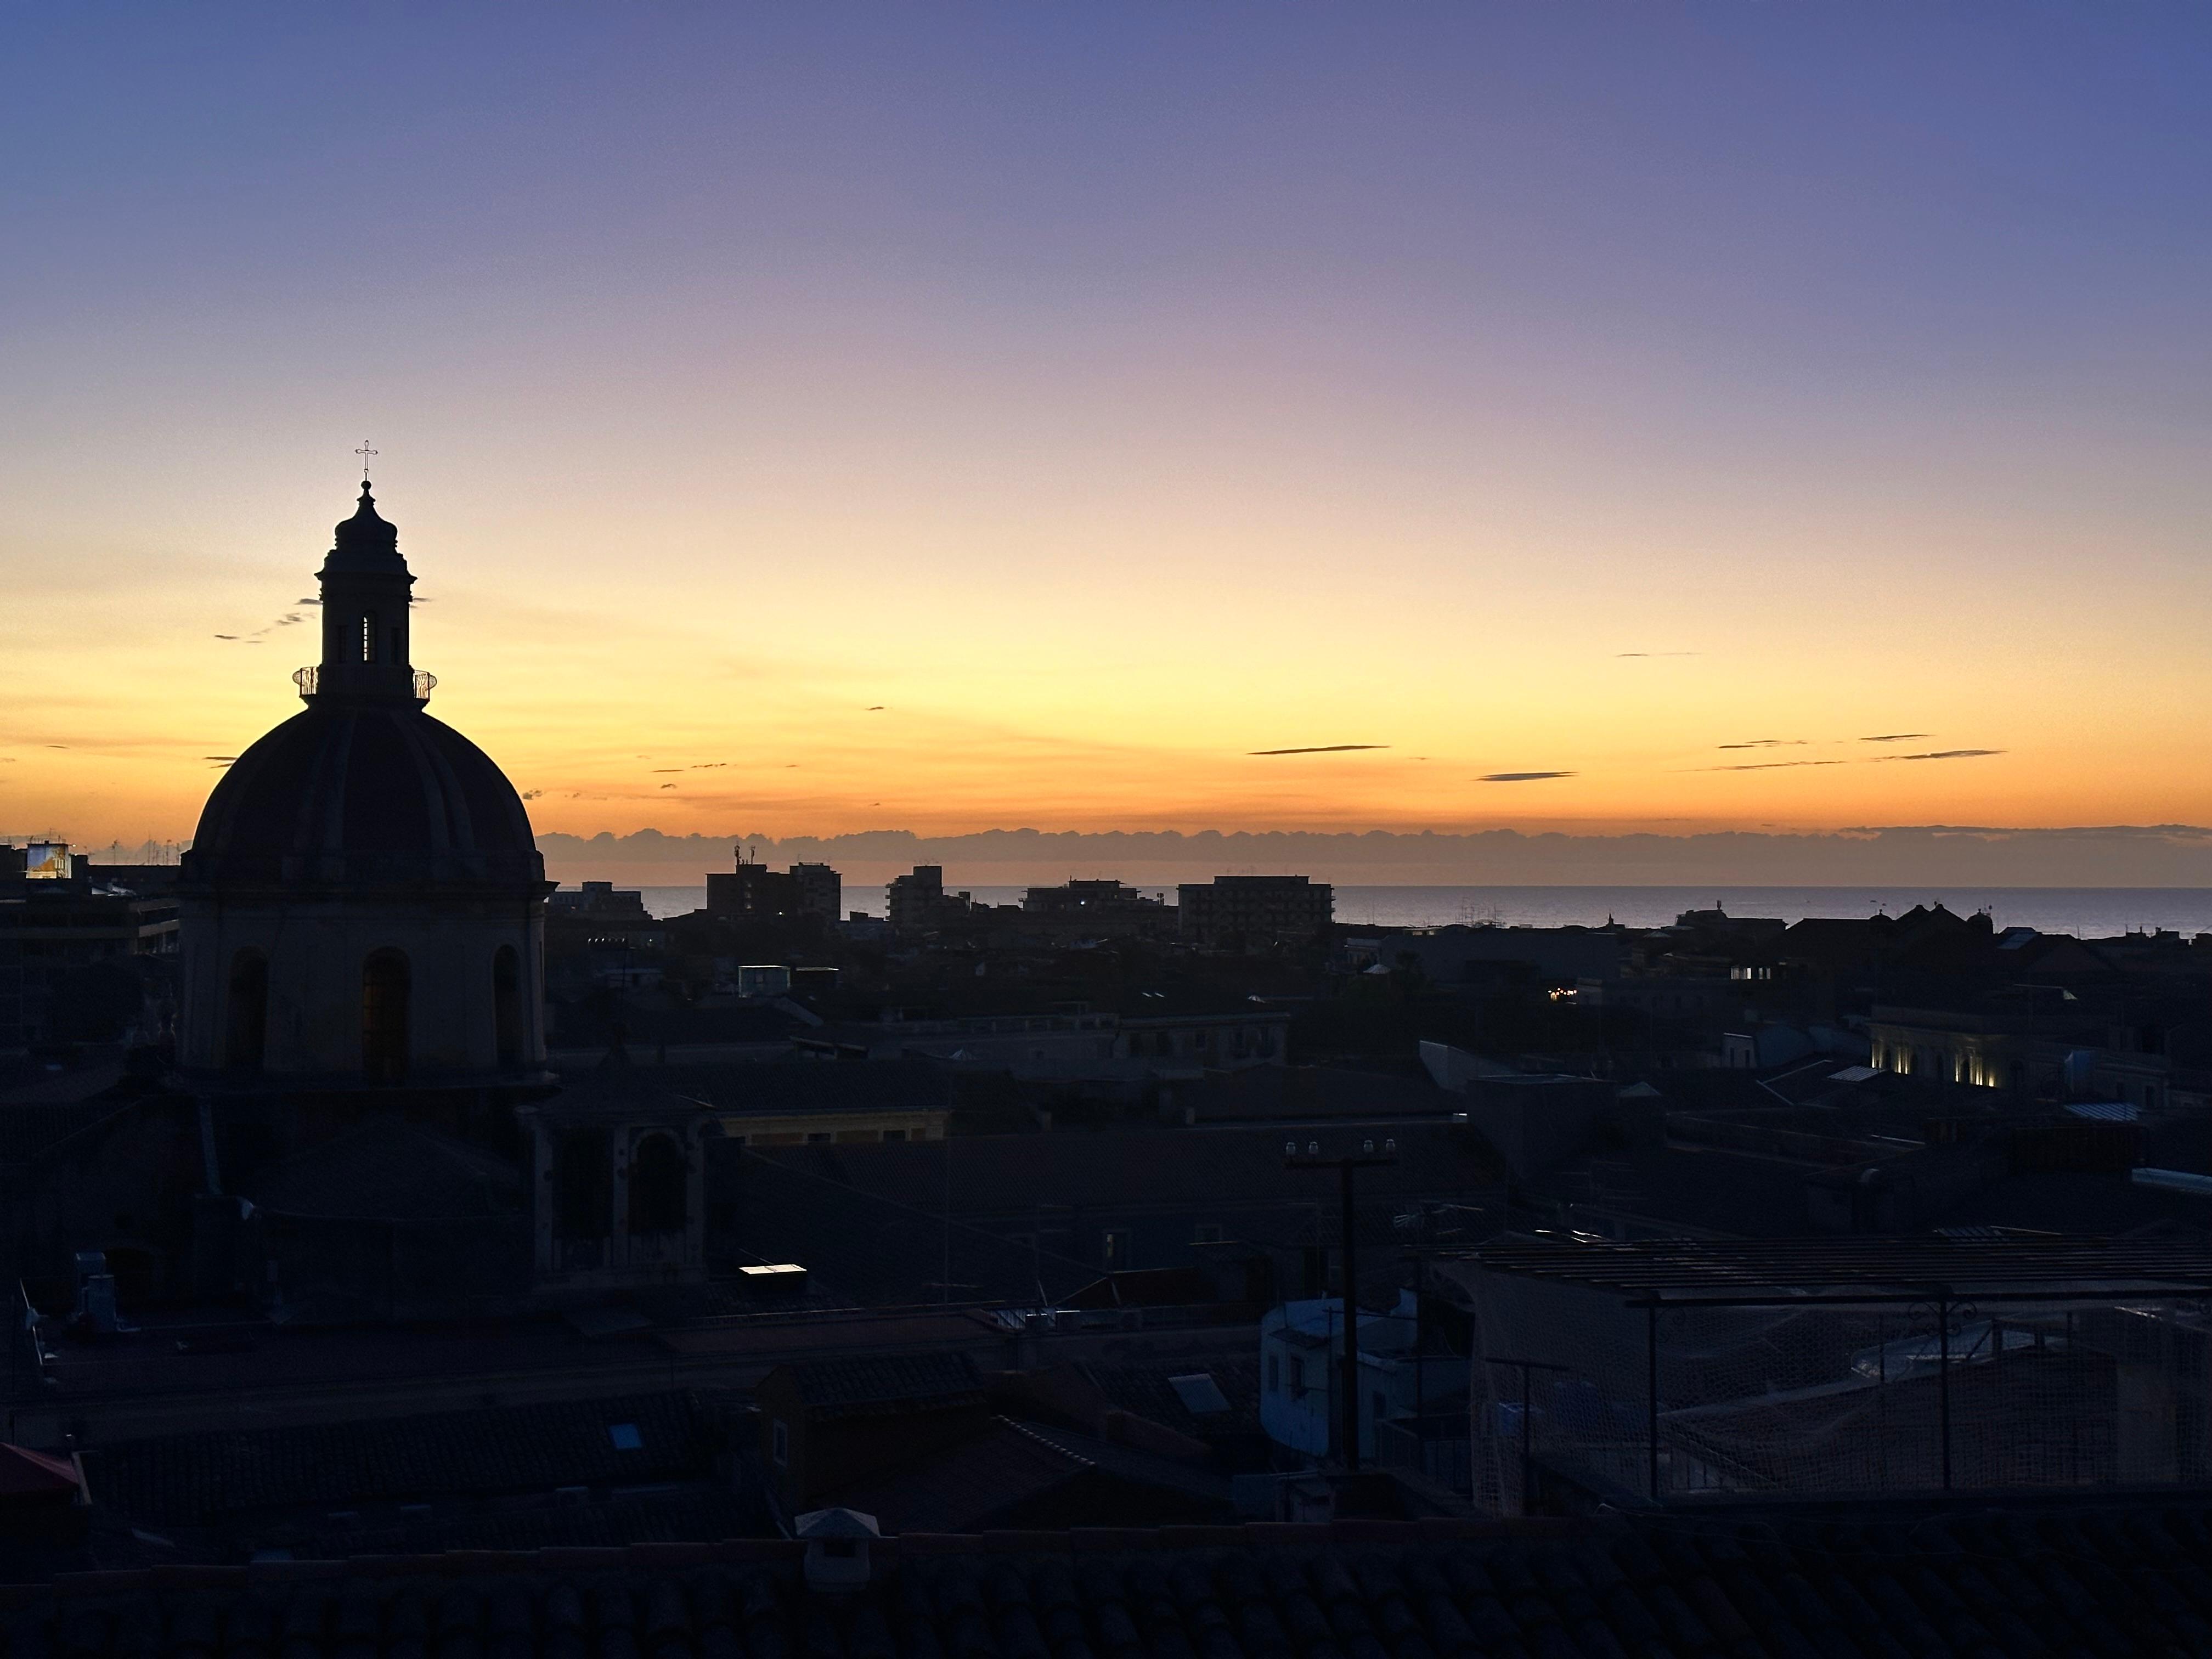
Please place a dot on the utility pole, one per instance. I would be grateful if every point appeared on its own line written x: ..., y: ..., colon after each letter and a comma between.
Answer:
x: 1311, y: 1156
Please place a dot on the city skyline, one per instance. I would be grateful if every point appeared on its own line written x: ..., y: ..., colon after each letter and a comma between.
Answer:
x: 1586, y: 418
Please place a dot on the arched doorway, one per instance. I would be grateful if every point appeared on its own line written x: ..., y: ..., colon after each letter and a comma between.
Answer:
x: 245, y: 1034
x: 384, y: 992
x: 656, y: 1187
x: 507, y: 1006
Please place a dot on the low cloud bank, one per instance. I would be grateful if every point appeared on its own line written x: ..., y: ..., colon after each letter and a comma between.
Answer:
x: 2122, y: 856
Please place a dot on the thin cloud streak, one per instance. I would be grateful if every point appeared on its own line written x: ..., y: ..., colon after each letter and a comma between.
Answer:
x: 1319, y: 749
x: 1768, y: 766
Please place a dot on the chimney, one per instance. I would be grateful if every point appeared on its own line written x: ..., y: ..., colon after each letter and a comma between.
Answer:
x: 837, y: 1543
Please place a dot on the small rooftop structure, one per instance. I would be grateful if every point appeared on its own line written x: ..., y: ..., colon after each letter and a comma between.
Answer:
x: 837, y: 1541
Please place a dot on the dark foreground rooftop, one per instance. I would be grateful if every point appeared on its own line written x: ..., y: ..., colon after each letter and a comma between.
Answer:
x: 2115, y: 1579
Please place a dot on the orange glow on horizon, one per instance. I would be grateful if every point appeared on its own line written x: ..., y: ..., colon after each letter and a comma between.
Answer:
x: 944, y: 709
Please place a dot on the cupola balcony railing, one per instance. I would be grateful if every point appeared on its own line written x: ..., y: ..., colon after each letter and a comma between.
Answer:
x: 420, y: 688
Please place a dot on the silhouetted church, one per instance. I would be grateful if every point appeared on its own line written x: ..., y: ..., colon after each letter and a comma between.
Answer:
x: 359, y: 1125
x: 364, y: 901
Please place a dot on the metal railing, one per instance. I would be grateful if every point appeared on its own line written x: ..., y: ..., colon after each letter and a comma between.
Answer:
x: 308, y: 679
x: 1761, y: 1398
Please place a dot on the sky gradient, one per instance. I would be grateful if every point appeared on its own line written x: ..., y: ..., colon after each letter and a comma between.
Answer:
x: 806, y: 420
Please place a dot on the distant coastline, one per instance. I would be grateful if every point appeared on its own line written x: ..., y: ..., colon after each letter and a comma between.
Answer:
x: 1895, y: 857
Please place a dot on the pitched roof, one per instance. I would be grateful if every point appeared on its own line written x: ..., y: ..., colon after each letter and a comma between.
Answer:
x: 31, y: 1085
x: 388, y: 1168
x: 28, y: 1474
x: 1137, y: 1465
x: 1148, y: 1389
x: 667, y: 1514
x: 996, y: 1173
x: 966, y: 1486
x: 879, y: 1250
x: 195, y: 1480
x: 885, y: 1380
x: 31, y: 1127
x: 850, y: 1085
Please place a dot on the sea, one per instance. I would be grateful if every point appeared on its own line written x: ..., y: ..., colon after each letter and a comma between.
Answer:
x: 2086, y: 912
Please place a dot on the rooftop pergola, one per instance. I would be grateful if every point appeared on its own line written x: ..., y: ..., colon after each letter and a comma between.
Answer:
x: 2019, y: 1266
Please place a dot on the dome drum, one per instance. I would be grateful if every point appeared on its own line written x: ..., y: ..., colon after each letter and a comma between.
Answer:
x: 334, y: 992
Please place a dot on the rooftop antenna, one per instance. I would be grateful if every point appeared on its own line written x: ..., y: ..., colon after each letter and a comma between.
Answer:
x: 364, y: 451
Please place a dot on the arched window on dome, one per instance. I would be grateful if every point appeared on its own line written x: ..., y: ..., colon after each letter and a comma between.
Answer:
x: 384, y: 983
x: 369, y: 636
x: 507, y: 1006
x: 656, y: 1186
x: 246, y: 1012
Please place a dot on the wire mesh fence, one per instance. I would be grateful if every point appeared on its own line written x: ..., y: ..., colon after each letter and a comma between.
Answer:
x: 1435, y: 1447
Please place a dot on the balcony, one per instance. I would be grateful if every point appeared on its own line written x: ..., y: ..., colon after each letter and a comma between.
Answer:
x: 420, y: 687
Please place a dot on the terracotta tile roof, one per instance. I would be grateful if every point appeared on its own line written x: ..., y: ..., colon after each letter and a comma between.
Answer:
x: 30, y: 1128
x: 886, y: 1379
x: 1091, y: 1170
x: 696, y: 1510
x: 967, y: 1485
x: 28, y: 1474
x: 196, y: 1479
x: 2122, y: 1578
x: 1145, y: 1389
x: 389, y: 1168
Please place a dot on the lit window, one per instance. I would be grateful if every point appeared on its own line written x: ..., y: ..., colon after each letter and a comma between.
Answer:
x: 625, y: 1437
x: 368, y: 637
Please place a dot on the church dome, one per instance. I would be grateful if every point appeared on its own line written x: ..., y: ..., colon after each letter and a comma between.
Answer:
x: 364, y: 791
x: 364, y: 788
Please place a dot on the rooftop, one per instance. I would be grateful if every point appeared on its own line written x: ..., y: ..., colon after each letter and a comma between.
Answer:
x: 2111, y: 1578
x: 989, y: 1174
x: 196, y: 1479
x: 885, y: 1380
